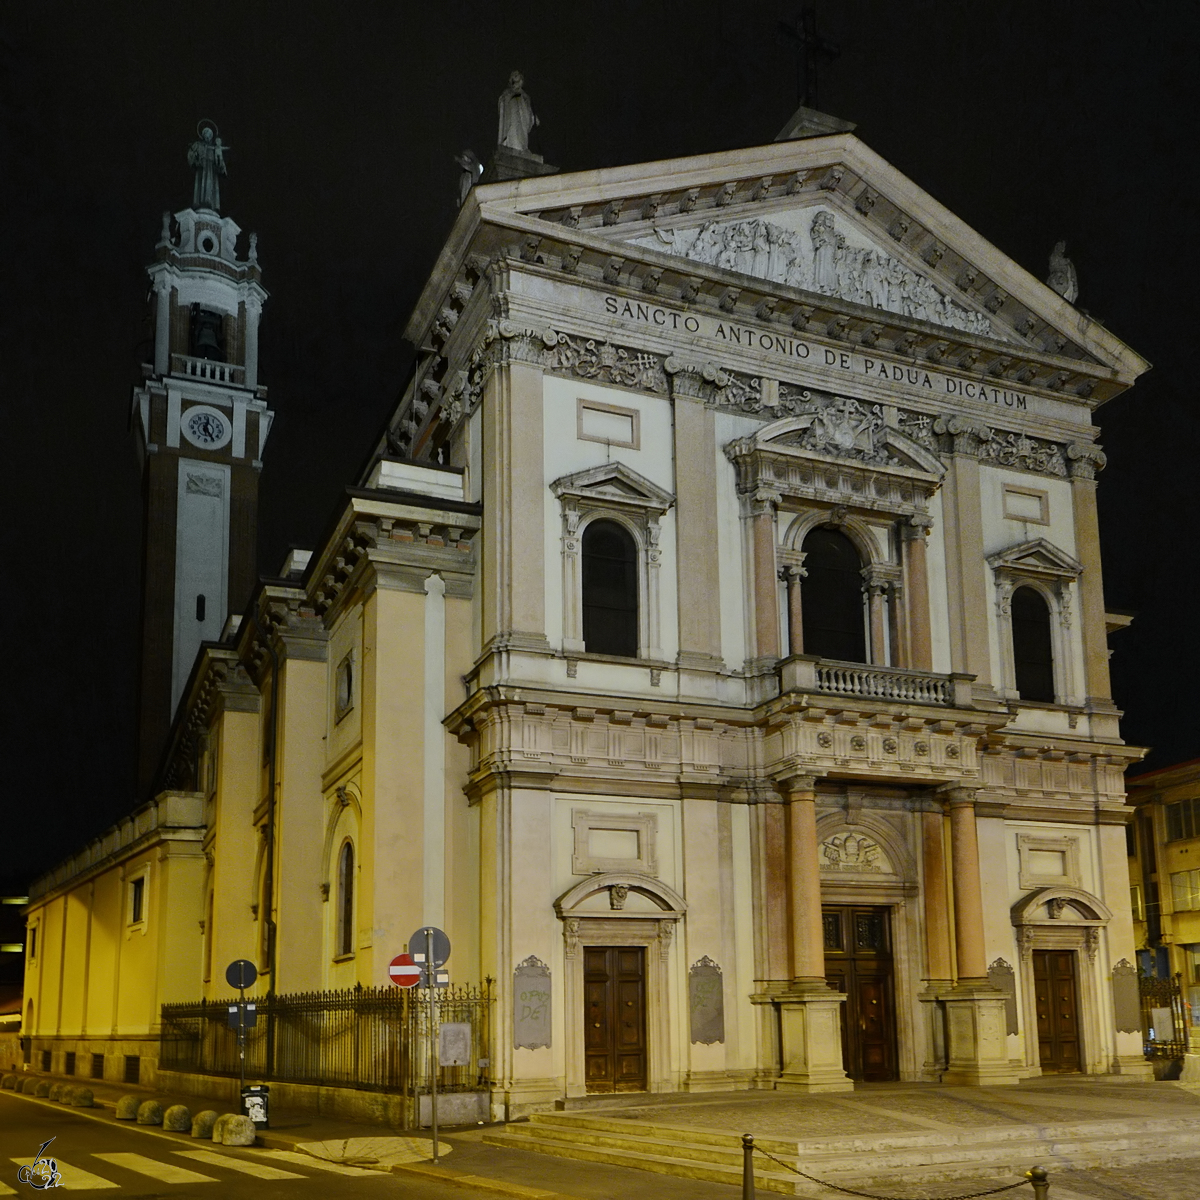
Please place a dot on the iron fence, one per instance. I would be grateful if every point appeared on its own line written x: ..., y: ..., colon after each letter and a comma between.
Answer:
x: 1164, y: 1017
x: 375, y: 1039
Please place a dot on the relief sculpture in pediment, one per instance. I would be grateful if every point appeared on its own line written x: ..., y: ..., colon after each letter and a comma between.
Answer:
x: 824, y: 259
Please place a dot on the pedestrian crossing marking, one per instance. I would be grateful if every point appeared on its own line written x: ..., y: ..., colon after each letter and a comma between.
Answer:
x: 210, y: 1158
x: 73, y: 1178
x: 307, y: 1160
x: 164, y: 1172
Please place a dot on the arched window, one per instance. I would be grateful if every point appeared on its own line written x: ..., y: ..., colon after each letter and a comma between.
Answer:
x: 610, y: 590
x: 832, y: 595
x: 345, y: 908
x: 1033, y: 654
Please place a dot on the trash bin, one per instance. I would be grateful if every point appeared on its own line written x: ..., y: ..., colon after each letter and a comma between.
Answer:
x: 256, y: 1103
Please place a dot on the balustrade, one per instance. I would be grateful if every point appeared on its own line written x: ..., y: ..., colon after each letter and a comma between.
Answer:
x: 208, y: 369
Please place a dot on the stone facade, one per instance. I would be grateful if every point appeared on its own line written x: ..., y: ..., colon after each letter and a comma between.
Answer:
x: 719, y: 356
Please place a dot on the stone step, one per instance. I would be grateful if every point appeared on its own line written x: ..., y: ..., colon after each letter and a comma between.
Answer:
x: 661, y: 1164
x: 994, y: 1152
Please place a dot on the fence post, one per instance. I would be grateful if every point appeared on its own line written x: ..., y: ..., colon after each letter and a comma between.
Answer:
x: 1040, y: 1181
x: 747, y: 1166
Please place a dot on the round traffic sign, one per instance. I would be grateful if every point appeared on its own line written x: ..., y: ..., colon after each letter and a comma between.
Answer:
x: 420, y: 940
x: 241, y: 973
x: 403, y: 972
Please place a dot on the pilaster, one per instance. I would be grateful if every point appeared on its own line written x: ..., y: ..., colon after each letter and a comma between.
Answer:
x: 1083, y: 462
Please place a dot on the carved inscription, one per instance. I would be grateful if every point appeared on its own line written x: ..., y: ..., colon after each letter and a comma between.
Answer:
x: 531, y: 1005
x: 706, y: 1000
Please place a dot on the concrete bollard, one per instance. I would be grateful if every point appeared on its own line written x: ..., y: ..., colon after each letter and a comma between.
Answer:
x: 149, y: 1113
x: 233, y: 1129
x: 81, y: 1097
x: 29, y: 1086
x: 42, y: 1088
x: 127, y: 1108
x: 177, y: 1118
x: 56, y: 1091
x: 8, y: 1082
x: 202, y: 1124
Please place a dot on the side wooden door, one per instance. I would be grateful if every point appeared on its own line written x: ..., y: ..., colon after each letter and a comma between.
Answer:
x: 858, y: 961
x: 1056, y: 996
x: 614, y: 1015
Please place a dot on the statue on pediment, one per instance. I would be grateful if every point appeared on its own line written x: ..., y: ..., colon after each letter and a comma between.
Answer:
x: 516, y: 116
x: 1063, y: 278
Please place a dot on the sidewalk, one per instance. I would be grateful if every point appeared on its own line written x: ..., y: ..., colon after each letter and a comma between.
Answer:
x: 484, y: 1169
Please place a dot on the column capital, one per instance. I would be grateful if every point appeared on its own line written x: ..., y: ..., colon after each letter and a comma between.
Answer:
x: 955, y: 795
x: 916, y: 528
x: 798, y: 787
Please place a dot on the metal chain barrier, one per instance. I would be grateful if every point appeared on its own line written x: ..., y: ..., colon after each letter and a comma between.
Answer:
x: 1036, y: 1177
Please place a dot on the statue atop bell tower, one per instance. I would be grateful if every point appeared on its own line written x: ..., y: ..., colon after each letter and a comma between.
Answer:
x: 201, y: 420
x: 206, y: 156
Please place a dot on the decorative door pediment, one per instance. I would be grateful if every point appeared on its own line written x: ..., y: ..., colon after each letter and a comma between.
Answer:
x: 613, y: 483
x: 1038, y: 558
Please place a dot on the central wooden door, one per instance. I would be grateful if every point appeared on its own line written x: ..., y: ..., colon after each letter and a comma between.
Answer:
x: 1055, y: 995
x: 614, y: 1018
x: 858, y: 961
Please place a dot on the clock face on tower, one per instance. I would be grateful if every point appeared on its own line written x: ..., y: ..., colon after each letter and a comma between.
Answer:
x: 206, y: 427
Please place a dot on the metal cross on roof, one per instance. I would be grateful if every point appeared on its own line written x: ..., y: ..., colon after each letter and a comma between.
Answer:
x: 811, y: 49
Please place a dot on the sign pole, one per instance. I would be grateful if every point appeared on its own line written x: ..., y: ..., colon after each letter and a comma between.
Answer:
x: 429, y: 979
x: 242, y: 1039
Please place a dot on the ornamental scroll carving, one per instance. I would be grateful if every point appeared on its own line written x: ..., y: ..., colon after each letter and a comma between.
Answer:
x: 855, y: 853
x: 823, y: 259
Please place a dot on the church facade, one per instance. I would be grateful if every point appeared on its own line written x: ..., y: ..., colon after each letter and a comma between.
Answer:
x: 714, y: 648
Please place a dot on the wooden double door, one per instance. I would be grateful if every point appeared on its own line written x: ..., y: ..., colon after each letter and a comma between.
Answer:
x: 858, y: 961
x: 614, y: 1017
x: 1056, y: 995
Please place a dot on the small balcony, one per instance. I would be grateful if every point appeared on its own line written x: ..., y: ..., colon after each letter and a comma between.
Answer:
x: 863, y: 681
x: 208, y: 369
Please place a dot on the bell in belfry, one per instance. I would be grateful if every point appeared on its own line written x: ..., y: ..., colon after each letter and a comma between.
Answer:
x: 206, y: 335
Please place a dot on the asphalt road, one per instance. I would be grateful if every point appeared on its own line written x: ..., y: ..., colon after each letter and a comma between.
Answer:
x: 101, y: 1158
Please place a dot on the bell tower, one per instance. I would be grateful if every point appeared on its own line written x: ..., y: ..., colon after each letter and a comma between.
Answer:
x: 201, y: 421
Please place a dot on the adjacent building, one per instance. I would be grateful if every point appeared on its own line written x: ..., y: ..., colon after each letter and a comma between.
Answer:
x: 714, y: 647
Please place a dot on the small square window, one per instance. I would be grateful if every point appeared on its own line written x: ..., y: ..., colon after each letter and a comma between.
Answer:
x: 137, y: 900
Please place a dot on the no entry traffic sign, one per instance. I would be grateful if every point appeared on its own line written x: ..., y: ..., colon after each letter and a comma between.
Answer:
x: 403, y: 972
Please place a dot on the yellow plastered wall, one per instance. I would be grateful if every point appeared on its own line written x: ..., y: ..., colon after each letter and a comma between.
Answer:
x: 235, y: 845
x: 299, y: 829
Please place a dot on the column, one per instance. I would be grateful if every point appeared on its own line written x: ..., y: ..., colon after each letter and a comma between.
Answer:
x: 792, y: 574
x: 965, y: 579
x: 696, y: 532
x: 937, y: 901
x: 898, y: 625
x: 810, y: 1014
x: 916, y: 578
x: 971, y: 959
x: 762, y: 505
x: 804, y: 881
x: 875, y: 589
x: 976, y: 1042
x: 1085, y: 460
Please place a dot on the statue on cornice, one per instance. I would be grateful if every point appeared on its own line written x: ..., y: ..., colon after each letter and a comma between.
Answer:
x: 206, y: 156
x: 1062, y: 277
x: 516, y: 115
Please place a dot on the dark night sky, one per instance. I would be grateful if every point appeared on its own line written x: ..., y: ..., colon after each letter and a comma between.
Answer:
x: 1031, y: 121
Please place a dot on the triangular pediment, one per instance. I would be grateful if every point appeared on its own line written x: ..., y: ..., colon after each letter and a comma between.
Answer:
x: 812, y: 246
x: 816, y: 234
x: 1038, y: 557
x: 613, y: 481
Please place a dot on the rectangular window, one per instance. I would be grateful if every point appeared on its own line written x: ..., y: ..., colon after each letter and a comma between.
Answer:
x: 1192, y: 953
x: 1183, y: 820
x: 137, y: 900
x: 97, y: 1066
x: 32, y: 942
x: 1135, y: 902
x: 69, y: 1065
x: 1185, y: 890
x: 46, y: 1060
x: 1131, y: 840
x: 133, y: 1068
